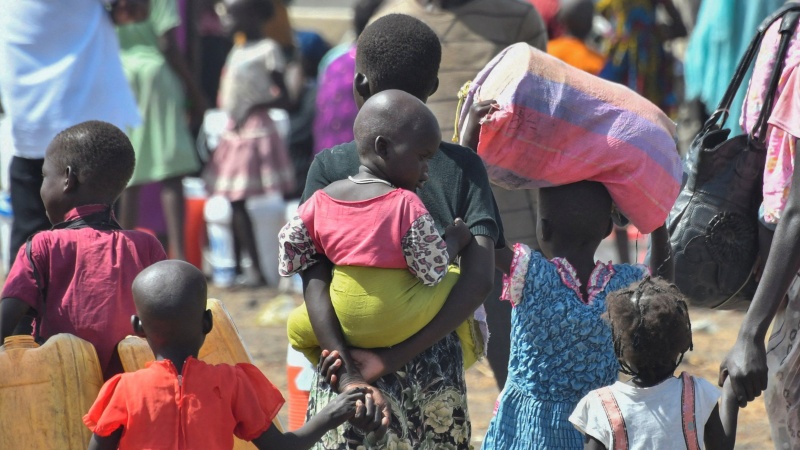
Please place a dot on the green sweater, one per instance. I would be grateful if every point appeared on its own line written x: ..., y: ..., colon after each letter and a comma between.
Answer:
x: 458, y: 186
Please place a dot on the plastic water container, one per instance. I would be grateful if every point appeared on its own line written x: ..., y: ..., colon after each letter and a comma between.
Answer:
x: 267, y: 214
x: 45, y: 391
x: 223, y: 345
x: 6, y: 218
x: 282, y: 124
x: 194, y: 192
x: 218, y: 214
x: 299, y: 376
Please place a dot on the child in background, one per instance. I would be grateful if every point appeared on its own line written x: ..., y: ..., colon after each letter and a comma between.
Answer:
x: 180, y: 402
x: 575, y: 17
x: 651, y: 332
x: 77, y: 276
x: 251, y: 158
x: 560, y: 347
x: 378, y: 233
x: 165, y: 150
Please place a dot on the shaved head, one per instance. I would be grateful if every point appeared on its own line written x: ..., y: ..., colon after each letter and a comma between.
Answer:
x: 397, y: 116
x: 170, y: 298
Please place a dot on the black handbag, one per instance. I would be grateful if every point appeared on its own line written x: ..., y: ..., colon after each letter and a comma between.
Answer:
x: 713, y: 225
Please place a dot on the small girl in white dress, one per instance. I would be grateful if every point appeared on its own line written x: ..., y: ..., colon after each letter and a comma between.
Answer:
x: 654, y: 409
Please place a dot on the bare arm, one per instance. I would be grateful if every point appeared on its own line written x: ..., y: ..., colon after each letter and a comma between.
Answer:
x: 746, y: 363
x: 590, y: 443
x: 110, y: 442
x: 503, y: 257
x: 172, y: 54
x: 661, y: 263
x: 334, y: 414
x: 469, y: 292
x: 324, y: 322
x: 11, y: 312
x: 720, y: 430
x: 676, y: 28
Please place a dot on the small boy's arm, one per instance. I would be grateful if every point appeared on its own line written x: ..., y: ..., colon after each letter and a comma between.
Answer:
x: 110, y: 442
x: 590, y: 443
x: 720, y: 430
x: 11, y: 312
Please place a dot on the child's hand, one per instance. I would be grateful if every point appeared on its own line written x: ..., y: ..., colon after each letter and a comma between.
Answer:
x: 457, y: 237
x: 330, y: 363
x: 346, y: 405
x: 124, y: 12
x: 472, y: 128
x: 373, y: 414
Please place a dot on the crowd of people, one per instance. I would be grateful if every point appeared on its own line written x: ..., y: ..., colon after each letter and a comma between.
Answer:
x: 410, y: 252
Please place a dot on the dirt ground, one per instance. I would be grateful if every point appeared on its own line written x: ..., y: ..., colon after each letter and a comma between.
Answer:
x: 715, y: 332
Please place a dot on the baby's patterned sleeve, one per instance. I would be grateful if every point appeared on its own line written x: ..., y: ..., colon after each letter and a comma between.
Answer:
x: 425, y: 251
x: 514, y: 282
x: 296, y: 248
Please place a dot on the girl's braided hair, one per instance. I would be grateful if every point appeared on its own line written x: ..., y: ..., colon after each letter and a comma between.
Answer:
x: 650, y: 327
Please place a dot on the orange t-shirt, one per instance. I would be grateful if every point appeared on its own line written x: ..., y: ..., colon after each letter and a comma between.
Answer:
x: 203, y: 408
x: 575, y: 53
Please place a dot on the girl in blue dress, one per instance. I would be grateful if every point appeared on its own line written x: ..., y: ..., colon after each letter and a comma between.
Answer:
x: 560, y: 347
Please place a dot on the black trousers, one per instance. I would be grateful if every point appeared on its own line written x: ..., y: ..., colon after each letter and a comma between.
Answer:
x: 29, y: 214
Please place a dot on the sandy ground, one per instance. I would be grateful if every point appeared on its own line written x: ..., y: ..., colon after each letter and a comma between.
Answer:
x: 715, y: 334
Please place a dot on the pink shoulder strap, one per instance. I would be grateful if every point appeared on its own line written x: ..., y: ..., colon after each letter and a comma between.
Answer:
x: 619, y: 432
x: 688, y: 416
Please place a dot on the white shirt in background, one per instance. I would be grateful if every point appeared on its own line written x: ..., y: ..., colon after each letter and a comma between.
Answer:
x: 652, y: 415
x: 59, y: 66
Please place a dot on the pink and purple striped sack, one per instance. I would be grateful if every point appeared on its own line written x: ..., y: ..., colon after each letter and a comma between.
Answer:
x: 557, y: 125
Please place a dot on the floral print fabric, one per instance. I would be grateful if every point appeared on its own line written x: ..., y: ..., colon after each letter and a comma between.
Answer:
x: 784, y: 120
x: 560, y: 350
x: 428, y: 398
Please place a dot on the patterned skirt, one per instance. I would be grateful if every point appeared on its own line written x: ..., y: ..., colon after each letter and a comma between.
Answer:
x: 250, y: 161
x: 428, y: 399
x: 782, y: 396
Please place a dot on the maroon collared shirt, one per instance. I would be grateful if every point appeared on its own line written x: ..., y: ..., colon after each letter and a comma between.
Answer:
x: 88, y: 275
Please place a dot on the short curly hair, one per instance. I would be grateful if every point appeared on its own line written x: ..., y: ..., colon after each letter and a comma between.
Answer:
x: 651, y: 328
x: 100, y: 155
x: 400, y: 52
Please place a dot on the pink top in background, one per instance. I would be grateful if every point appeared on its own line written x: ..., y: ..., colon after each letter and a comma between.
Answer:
x: 784, y: 130
x: 88, y: 275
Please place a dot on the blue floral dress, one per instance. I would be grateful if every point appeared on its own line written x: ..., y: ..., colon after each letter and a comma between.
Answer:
x: 560, y: 350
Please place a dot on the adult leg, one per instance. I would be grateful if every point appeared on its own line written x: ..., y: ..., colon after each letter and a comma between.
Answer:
x: 129, y: 207
x: 29, y: 213
x: 782, y: 396
x: 243, y: 229
x: 172, y: 202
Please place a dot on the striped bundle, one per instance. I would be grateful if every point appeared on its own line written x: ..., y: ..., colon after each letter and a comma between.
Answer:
x: 557, y: 125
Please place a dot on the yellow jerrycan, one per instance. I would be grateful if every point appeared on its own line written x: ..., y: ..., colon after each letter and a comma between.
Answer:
x: 45, y: 391
x: 223, y: 345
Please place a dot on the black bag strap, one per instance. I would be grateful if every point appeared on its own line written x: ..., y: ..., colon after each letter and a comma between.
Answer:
x: 788, y: 25
x: 103, y: 220
x: 723, y: 110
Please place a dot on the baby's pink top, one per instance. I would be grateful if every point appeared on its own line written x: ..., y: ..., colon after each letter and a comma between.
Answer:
x: 391, y: 231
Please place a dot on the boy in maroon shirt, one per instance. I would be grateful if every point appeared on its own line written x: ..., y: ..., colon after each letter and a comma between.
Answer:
x: 77, y: 276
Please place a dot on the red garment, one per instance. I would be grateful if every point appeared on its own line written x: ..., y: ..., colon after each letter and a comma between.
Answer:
x: 201, y: 409
x: 548, y: 9
x: 88, y: 275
